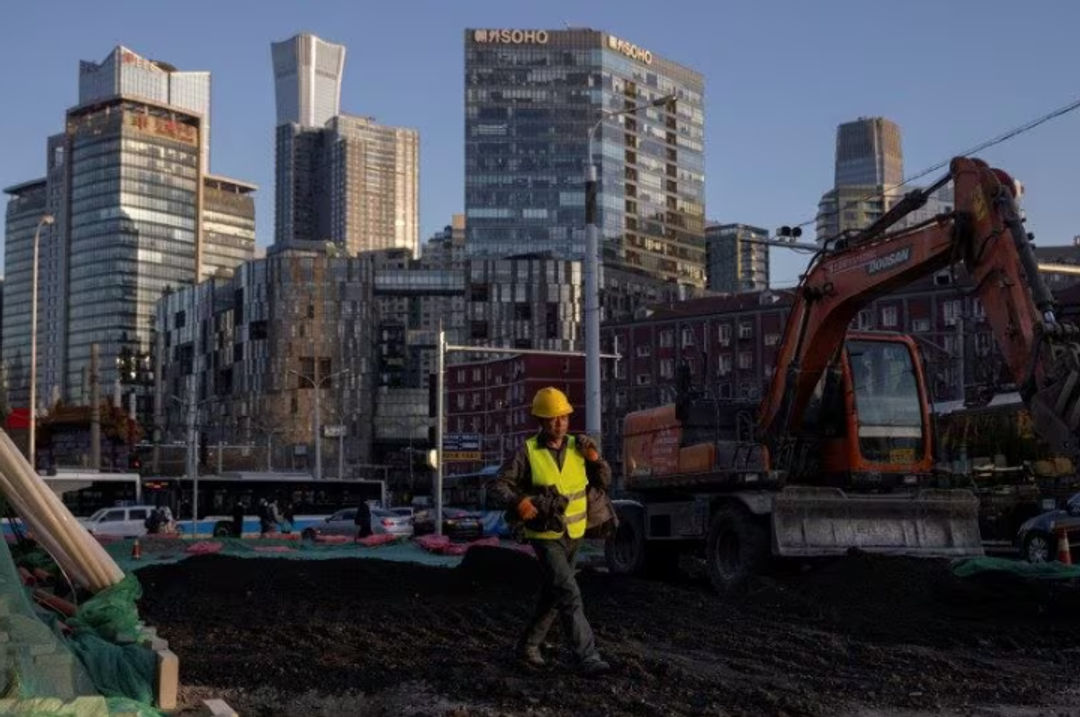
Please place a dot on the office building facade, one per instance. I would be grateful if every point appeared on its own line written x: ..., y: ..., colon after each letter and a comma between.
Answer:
x: 354, y: 183
x: 531, y: 97
x: 25, y: 208
x: 868, y: 173
x: 307, y: 79
x: 124, y: 72
x: 738, y: 260
x: 228, y: 225
x: 868, y: 153
x: 136, y: 216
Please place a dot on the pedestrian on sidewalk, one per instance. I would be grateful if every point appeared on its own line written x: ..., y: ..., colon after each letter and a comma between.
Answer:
x: 544, y: 485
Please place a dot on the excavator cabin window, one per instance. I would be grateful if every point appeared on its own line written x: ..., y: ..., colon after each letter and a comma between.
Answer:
x: 888, y: 406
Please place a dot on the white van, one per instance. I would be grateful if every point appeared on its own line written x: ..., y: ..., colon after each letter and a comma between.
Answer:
x: 128, y: 521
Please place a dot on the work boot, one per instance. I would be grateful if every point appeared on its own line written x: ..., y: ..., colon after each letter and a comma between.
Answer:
x: 593, y: 666
x: 530, y: 655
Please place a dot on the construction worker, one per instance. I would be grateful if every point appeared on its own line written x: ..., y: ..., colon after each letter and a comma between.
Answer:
x: 544, y: 485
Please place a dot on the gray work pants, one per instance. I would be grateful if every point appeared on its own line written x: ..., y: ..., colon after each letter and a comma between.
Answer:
x: 560, y: 597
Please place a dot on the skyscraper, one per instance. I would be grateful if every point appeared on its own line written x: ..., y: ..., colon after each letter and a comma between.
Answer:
x: 869, y: 171
x: 738, y: 260
x: 868, y: 153
x: 338, y: 177
x: 134, y: 217
x: 307, y: 79
x: 531, y: 97
x: 124, y: 72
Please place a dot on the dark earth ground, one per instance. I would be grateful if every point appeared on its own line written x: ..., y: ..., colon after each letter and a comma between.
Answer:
x: 860, y: 635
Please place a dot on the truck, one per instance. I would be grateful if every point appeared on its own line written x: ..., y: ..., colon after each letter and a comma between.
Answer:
x: 839, y: 454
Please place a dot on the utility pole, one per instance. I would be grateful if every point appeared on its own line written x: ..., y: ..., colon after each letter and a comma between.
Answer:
x: 960, y: 351
x: 95, y: 410
x: 318, y: 408
x: 192, y: 455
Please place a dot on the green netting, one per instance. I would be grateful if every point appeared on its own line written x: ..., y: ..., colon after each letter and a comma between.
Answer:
x: 160, y: 550
x: 111, y: 613
x: 968, y: 567
x: 84, y: 674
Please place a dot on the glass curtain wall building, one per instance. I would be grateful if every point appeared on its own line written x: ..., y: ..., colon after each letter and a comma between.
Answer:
x: 135, y: 191
x: 25, y: 208
x: 124, y: 72
x: 307, y: 79
x: 531, y: 97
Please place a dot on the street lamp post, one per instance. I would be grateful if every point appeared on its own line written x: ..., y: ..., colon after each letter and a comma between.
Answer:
x: 30, y: 451
x: 592, y: 276
x: 317, y: 384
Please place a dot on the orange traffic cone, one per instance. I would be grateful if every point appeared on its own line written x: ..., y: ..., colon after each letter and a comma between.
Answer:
x: 1064, y: 553
x: 136, y: 550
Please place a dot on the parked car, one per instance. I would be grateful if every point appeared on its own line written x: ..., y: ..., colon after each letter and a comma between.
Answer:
x: 1036, y: 539
x: 128, y: 521
x: 343, y: 522
x: 458, y: 523
x: 404, y: 510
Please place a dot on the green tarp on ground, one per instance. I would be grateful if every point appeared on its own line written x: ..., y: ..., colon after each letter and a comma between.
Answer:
x: 969, y: 567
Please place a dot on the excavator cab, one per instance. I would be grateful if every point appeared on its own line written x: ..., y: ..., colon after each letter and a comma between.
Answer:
x: 864, y: 481
x: 885, y: 439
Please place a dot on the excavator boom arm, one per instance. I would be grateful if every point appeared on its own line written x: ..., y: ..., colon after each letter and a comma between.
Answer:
x: 986, y: 233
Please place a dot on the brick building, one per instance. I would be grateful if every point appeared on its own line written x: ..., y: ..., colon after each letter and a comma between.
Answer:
x: 492, y: 399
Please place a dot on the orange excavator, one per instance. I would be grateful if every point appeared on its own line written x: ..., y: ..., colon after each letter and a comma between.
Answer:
x: 842, y: 455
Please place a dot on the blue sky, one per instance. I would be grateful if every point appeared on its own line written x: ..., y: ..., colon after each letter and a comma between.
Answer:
x: 779, y: 77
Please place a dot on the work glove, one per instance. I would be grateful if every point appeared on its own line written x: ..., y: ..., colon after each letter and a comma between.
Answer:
x: 526, y: 510
x: 588, y: 448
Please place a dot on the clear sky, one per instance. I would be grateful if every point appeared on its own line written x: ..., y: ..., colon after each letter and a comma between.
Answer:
x: 779, y: 77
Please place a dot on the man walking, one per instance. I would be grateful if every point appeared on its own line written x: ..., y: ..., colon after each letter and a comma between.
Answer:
x: 545, y: 484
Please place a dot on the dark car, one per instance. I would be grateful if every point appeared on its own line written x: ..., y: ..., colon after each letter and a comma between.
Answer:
x: 458, y: 523
x: 1036, y: 539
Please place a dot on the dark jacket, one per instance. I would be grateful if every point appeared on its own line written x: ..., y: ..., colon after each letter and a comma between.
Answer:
x: 514, y: 482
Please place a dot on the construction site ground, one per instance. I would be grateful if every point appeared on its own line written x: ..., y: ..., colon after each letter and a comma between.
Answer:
x: 860, y: 635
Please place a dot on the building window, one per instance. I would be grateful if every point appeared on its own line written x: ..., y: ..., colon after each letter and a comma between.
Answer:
x: 725, y: 390
x: 620, y: 369
x: 865, y: 319
x: 461, y: 376
x: 723, y: 367
x: 746, y: 359
x: 723, y: 334
x: 476, y: 375
x: 643, y: 350
x: 746, y: 330
x: 687, y: 336
x: 888, y: 316
x: 951, y: 310
x: 977, y: 309
x: 180, y: 320
x: 643, y: 379
x: 461, y: 401
x: 667, y: 338
x: 920, y: 325
x: 772, y: 339
x: 667, y: 368
x: 620, y: 399
x: 983, y: 344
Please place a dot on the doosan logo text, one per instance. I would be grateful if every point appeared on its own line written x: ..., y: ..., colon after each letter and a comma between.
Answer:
x: 511, y: 37
x: 889, y: 261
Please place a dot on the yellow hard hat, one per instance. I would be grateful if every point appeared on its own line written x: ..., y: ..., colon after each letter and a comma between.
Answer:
x: 551, y: 402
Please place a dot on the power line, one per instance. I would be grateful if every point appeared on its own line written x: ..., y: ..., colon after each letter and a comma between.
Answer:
x: 1015, y: 132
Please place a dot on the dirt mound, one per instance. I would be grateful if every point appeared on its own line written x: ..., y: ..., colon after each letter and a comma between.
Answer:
x: 486, y: 564
x: 857, y: 632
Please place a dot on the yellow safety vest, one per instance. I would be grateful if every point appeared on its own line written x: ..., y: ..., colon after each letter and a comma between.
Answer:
x: 571, y: 482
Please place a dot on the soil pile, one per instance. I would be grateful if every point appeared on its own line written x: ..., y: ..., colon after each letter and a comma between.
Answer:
x: 856, y: 633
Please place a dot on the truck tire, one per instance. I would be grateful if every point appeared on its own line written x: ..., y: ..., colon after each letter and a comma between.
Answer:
x: 736, y: 548
x: 625, y: 551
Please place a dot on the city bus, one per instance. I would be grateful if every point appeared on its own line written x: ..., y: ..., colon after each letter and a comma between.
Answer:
x: 311, y: 500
